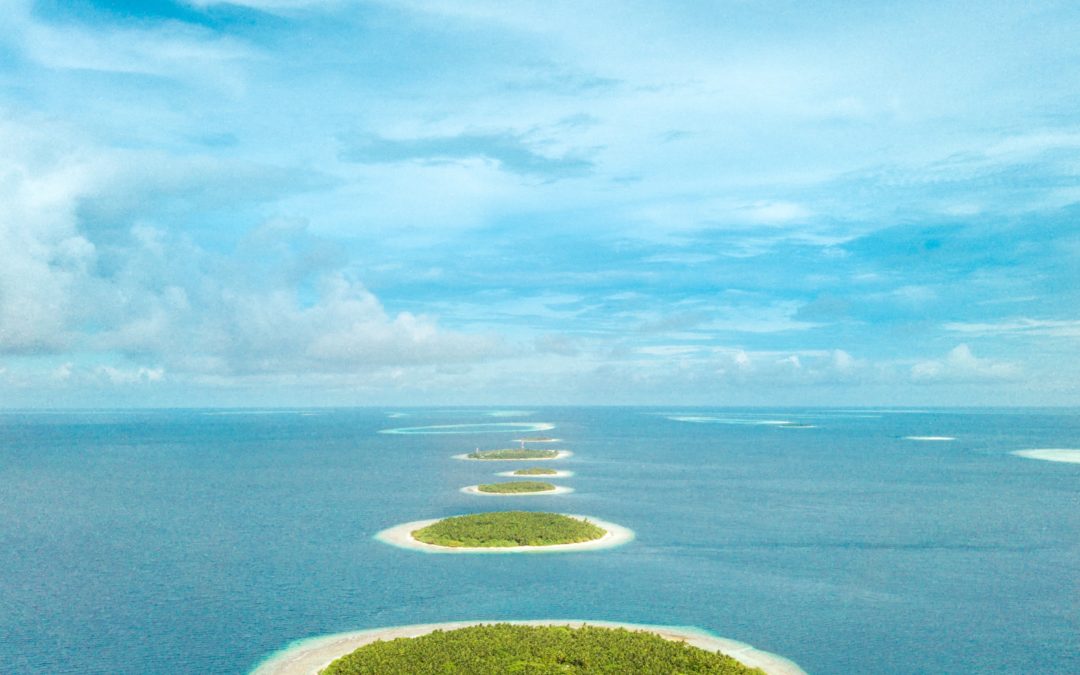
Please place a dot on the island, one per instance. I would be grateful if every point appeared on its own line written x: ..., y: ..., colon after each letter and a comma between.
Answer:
x: 333, y: 653
x: 508, y: 528
x: 515, y: 486
x: 509, y: 648
x: 507, y: 532
x: 536, y: 471
x: 514, y: 454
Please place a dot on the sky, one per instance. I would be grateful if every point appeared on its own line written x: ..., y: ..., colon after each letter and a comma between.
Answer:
x: 741, y: 202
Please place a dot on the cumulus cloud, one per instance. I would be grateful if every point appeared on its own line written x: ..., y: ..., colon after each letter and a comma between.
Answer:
x: 43, y: 256
x: 281, y: 301
x: 961, y: 365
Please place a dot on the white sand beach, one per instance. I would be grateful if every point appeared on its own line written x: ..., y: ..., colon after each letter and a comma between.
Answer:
x: 1067, y: 455
x: 560, y: 454
x: 401, y: 536
x: 929, y: 438
x: 475, y: 490
x: 309, y: 656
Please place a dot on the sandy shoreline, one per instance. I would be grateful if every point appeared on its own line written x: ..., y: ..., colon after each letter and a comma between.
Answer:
x: 308, y: 656
x: 401, y: 536
x: 929, y: 438
x: 1066, y: 455
x: 536, y: 476
x: 475, y: 490
x: 561, y: 454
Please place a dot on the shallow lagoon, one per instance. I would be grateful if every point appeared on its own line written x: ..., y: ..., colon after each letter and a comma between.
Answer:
x: 131, y: 538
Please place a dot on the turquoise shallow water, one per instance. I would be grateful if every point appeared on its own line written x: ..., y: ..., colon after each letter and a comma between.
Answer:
x: 191, y: 541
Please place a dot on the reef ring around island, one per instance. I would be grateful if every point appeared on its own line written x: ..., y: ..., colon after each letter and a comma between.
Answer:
x: 559, y: 490
x: 560, y: 473
x: 401, y: 537
x: 560, y: 454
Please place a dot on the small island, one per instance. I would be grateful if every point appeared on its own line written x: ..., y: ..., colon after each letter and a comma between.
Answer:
x: 520, y: 488
x: 536, y: 471
x: 511, y: 648
x: 503, y: 529
x: 507, y: 532
x: 516, y: 487
x: 514, y: 454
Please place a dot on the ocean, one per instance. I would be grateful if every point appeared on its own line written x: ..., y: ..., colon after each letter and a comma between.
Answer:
x: 202, y: 541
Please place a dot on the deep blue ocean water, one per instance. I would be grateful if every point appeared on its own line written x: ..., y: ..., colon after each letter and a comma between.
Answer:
x: 200, y: 542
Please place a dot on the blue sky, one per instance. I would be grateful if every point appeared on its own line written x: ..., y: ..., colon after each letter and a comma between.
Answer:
x: 320, y: 202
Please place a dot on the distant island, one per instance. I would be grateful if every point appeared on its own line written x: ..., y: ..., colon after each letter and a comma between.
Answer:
x: 513, y: 648
x: 514, y: 453
x: 516, y: 487
x: 536, y: 471
x: 503, y: 529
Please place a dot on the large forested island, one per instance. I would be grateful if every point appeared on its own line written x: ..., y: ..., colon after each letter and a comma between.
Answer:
x: 516, y: 487
x: 506, y: 648
x: 508, y: 528
x: 514, y: 453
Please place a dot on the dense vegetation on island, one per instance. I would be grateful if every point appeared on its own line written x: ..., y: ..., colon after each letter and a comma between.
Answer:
x: 514, y: 453
x: 501, y: 529
x: 515, y: 487
x: 536, y: 471
x: 535, y: 650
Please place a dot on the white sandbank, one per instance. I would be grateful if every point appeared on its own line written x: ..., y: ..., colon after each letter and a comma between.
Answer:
x: 536, y: 476
x: 401, y: 536
x: 309, y: 656
x: 478, y: 428
x: 475, y: 490
x: 929, y: 438
x: 537, y: 440
x: 560, y: 454
x: 710, y: 419
x: 1069, y: 455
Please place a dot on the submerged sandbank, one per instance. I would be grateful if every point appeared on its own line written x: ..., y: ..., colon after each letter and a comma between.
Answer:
x: 475, y: 490
x: 401, y: 536
x: 478, y: 428
x: 310, y: 655
x: 929, y: 438
x: 1067, y: 455
x: 560, y: 454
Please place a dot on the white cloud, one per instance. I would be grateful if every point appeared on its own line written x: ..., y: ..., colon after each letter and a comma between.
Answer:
x: 1019, y: 326
x: 126, y: 376
x: 167, y: 302
x: 171, y: 49
x: 961, y: 365
x: 775, y: 213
